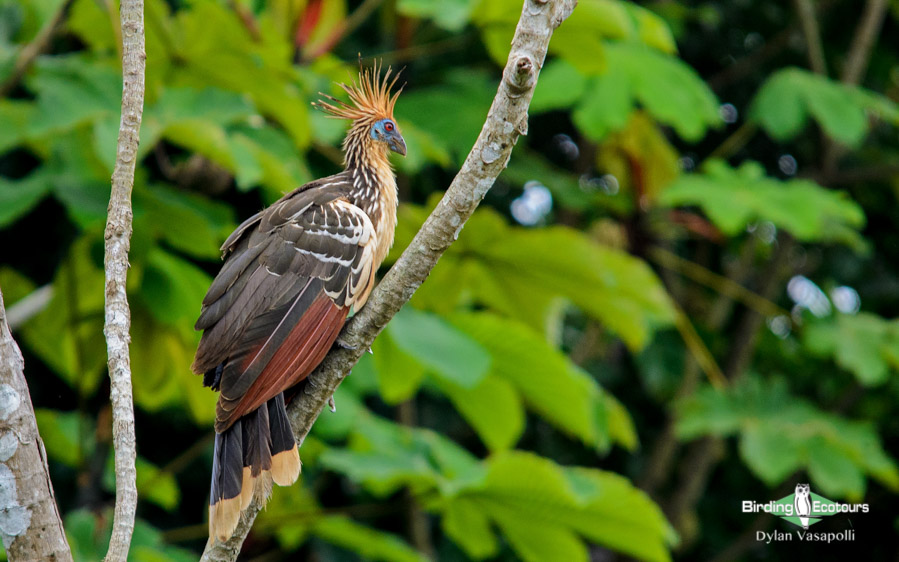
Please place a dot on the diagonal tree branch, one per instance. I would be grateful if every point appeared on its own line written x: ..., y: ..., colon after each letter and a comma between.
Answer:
x: 506, y: 121
x: 118, y: 314
x: 30, y: 526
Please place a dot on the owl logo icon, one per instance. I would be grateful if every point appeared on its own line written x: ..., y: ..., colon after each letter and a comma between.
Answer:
x: 802, y: 504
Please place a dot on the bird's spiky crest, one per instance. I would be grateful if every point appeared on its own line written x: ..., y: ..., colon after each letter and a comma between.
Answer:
x: 370, y: 94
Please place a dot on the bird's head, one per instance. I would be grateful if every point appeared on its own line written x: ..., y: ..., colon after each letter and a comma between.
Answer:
x: 386, y: 131
x: 371, y: 110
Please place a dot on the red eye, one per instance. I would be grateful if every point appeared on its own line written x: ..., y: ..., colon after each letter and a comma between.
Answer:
x: 388, y: 127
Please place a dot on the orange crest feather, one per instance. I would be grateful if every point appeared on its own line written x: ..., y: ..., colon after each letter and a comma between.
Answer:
x: 370, y: 94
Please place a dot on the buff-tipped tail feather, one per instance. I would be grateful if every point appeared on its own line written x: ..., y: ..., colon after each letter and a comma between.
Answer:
x: 286, y: 467
x: 243, y: 470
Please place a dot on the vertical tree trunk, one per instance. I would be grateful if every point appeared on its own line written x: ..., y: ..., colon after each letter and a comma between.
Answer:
x: 30, y: 525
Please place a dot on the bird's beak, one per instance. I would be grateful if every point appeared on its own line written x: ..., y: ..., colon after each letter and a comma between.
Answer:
x: 397, y: 143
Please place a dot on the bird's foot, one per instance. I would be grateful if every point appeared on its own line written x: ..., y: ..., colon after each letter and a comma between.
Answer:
x: 346, y: 345
x: 331, y: 404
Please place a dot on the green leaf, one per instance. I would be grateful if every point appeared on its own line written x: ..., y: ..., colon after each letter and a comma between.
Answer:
x: 172, y: 288
x: 625, y: 295
x: 71, y: 90
x: 335, y: 426
x: 17, y: 198
x: 523, y: 272
x: 607, y: 105
x: 187, y: 222
x: 369, y: 543
x: 15, y: 115
x: 540, y: 505
x: 789, y: 96
x: 493, y: 408
x: 573, y: 402
x: 667, y: 88
x: 468, y: 526
x: 836, y: 473
x: 68, y: 334
x: 864, y: 344
x: 780, y: 434
x: 153, y: 484
x: 537, y: 541
x: 385, y: 456
x: 88, y: 536
x: 231, y: 59
x: 399, y: 374
x: 735, y: 198
x: 63, y: 433
x: 455, y: 130
x: 445, y: 351
x: 268, y: 156
x: 770, y: 452
x: 164, y: 354
x: 452, y: 15
x: 778, y: 107
x: 560, y: 86
x: 15, y: 286
x: 671, y: 91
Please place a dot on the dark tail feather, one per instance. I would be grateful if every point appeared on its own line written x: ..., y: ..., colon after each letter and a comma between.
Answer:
x: 258, y: 449
x: 285, y: 456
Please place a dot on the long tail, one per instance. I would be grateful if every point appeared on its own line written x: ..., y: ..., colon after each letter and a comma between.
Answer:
x: 258, y: 449
x: 804, y: 521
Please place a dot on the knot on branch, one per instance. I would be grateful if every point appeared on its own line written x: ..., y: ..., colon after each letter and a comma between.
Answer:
x: 521, y: 76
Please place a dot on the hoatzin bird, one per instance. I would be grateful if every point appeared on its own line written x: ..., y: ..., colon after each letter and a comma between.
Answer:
x: 292, y: 273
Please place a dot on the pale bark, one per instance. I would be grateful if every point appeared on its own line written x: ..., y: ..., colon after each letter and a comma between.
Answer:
x: 506, y: 121
x: 30, y: 526
x: 117, y: 312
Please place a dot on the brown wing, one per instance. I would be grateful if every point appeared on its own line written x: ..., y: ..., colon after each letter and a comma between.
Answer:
x: 291, y: 275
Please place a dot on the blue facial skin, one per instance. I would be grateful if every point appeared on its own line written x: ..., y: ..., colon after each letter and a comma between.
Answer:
x: 385, y: 130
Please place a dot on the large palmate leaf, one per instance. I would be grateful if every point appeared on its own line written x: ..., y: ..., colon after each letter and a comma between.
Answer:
x: 548, y: 382
x: 187, y: 222
x: 523, y: 272
x: 231, y: 59
x: 780, y: 434
x: 734, y: 198
x: 452, y: 15
x: 580, y: 40
x: 385, y: 456
x: 665, y: 86
x: 468, y: 94
x: 17, y: 198
x: 545, y: 510
x: 15, y: 115
x: 71, y: 90
x: 68, y: 334
x: 445, y: 351
x: 539, y: 506
x: 367, y: 542
x: 864, y: 344
x: 786, y: 100
x: 293, y: 515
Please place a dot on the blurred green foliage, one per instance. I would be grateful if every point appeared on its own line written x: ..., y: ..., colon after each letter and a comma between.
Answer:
x: 545, y: 369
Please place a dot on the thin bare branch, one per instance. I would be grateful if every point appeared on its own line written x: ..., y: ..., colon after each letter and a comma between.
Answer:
x: 809, y: 21
x: 506, y: 121
x: 863, y: 41
x: 29, y: 306
x: 30, y: 528
x: 118, y: 313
